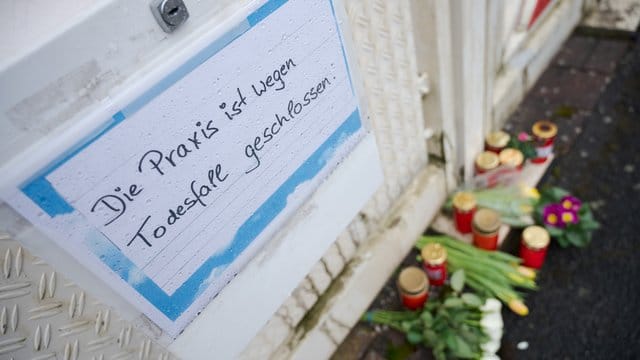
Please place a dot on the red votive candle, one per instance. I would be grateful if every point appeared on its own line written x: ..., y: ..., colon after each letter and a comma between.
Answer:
x: 511, y: 158
x: 464, y: 206
x: 486, y: 161
x: 544, y: 134
x: 496, y: 141
x: 486, y: 224
x: 413, y: 286
x: 533, y: 246
x: 434, y: 257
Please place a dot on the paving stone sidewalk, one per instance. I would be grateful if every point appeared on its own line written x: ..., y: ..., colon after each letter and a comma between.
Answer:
x: 587, y: 306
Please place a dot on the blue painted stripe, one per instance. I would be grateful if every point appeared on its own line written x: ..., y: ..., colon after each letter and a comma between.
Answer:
x: 264, y: 11
x: 129, y: 272
x: 41, y: 192
x: 39, y: 189
x: 174, y: 305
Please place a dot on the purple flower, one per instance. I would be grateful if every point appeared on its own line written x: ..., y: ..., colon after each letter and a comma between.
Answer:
x: 552, y: 215
x: 570, y: 203
x: 568, y: 216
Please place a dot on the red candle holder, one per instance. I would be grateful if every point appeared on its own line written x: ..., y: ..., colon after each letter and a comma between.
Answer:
x: 413, y: 286
x: 486, y: 161
x: 512, y: 158
x: 496, y: 141
x: 434, y: 257
x: 464, y: 206
x: 544, y: 135
x: 486, y: 225
x: 533, y: 246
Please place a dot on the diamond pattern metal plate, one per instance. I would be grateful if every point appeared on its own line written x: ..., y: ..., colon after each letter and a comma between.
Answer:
x: 45, y: 316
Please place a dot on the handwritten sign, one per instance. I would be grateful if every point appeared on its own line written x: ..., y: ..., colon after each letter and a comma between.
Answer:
x: 179, y: 189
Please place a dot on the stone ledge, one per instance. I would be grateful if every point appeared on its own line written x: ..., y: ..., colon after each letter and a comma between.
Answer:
x: 530, y: 176
x: 340, y: 308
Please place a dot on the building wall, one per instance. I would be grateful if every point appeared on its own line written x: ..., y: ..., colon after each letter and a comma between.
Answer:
x: 400, y: 59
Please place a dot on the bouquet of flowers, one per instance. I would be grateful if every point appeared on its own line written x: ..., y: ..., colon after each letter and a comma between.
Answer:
x: 459, y: 325
x: 565, y: 217
x: 489, y: 273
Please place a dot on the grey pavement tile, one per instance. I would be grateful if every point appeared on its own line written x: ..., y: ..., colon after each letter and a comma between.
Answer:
x: 549, y: 82
x: 606, y: 55
x: 575, y: 51
x: 576, y: 88
x: 589, y: 293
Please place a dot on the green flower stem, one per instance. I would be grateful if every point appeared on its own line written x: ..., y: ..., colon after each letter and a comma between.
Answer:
x: 459, y: 255
x: 497, y: 271
x: 451, y: 243
x: 503, y: 293
x: 482, y: 262
x: 490, y: 273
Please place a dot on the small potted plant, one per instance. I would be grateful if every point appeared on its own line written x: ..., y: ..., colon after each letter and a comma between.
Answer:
x: 566, y: 218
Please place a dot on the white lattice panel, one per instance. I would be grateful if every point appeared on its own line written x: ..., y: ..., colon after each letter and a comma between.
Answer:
x: 382, y: 32
x: 384, y: 45
x: 45, y: 316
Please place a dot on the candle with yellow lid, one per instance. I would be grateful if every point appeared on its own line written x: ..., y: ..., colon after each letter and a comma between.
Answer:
x: 434, y: 257
x: 414, y: 287
x: 512, y: 158
x: 496, y: 141
x: 544, y: 134
x: 464, y: 206
x: 486, y: 161
x: 486, y: 223
x: 533, y: 246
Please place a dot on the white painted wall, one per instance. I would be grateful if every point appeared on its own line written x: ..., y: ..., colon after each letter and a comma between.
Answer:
x: 527, y: 53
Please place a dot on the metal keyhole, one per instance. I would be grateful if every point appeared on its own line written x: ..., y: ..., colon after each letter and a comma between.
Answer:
x: 169, y: 13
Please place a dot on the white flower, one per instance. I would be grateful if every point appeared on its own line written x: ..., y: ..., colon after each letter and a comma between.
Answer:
x: 491, y: 305
x: 490, y: 347
x: 492, y: 325
x: 491, y: 321
x: 490, y: 357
